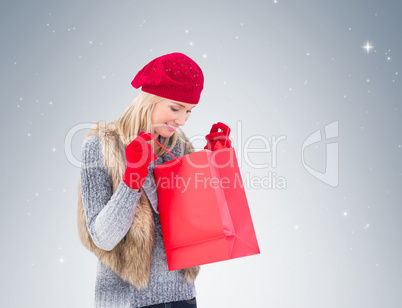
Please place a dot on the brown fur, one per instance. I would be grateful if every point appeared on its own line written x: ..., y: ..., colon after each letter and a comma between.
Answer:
x: 131, y: 257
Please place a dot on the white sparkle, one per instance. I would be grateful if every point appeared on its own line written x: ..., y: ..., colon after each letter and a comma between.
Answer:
x: 236, y: 37
x: 63, y: 190
x: 296, y: 227
x: 368, y: 47
x: 61, y: 260
x: 389, y: 59
x: 90, y: 42
x: 345, y: 213
x: 54, y: 149
x: 36, y: 194
x: 367, y: 226
x: 29, y: 134
x: 204, y: 56
x: 186, y: 31
x: 50, y: 103
x: 307, y: 54
x: 191, y: 43
x: 18, y: 106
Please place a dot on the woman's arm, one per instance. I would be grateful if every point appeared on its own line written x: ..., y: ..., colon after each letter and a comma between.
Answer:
x: 109, y: 216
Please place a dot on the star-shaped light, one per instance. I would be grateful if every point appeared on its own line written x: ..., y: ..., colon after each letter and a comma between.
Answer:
x: 368, y: 47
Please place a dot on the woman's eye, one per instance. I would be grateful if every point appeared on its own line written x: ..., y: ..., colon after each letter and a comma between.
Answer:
x: 189, y: 111
x: 174, y: 109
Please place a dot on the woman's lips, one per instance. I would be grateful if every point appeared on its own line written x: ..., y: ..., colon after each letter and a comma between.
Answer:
x: 171, y: 127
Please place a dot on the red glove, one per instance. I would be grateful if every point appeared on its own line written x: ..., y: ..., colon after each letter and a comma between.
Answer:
x: 218, y: 140
x: 139, y: 154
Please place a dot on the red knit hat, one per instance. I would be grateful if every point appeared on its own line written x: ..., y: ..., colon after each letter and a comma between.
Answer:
x: 174, y: 76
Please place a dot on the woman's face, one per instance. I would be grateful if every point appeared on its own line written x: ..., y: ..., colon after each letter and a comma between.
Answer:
x: 168, y: 115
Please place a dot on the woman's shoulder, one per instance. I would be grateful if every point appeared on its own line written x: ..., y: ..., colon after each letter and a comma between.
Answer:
x: 102, y: 132
x: 91, y: 150
x: 91, y: 142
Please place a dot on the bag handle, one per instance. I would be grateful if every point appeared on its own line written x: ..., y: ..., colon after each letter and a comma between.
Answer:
x: 166, y: 150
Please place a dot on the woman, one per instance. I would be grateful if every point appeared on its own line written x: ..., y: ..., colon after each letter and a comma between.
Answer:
x: 118, y: 207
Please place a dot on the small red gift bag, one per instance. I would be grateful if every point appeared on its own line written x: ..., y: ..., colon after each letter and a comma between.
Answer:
x: 203, y: 209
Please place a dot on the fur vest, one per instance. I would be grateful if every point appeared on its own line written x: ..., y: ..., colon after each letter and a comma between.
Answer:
x: 131, y: 258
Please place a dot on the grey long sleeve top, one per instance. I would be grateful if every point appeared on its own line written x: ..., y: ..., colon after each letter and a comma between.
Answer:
x: 109, y: 217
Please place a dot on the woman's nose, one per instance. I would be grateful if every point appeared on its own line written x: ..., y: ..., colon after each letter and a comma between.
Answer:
x: 181, y: 119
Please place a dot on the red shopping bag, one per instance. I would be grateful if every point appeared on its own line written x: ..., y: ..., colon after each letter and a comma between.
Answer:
x: 203, y: 209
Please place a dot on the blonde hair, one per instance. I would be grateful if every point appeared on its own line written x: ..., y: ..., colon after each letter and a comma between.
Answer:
x: 137, y: 117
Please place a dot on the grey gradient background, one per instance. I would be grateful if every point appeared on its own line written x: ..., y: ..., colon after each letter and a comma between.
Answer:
x: 276, y: 69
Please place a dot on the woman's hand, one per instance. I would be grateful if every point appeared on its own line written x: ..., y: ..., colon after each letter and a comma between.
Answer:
x: 139, y: 154
x: 218, y: 140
